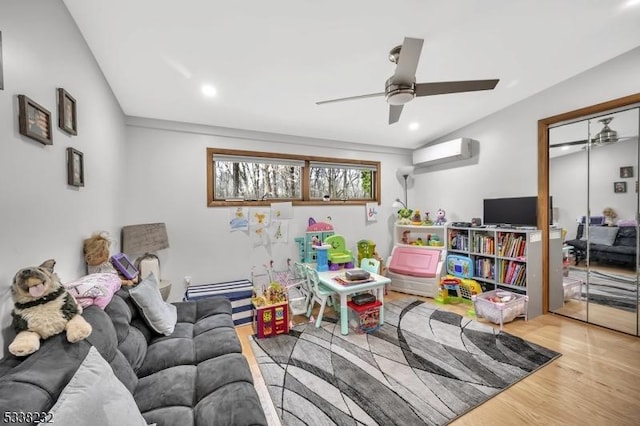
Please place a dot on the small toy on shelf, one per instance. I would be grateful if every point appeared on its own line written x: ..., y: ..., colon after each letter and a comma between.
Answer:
x: 416, y: 219
x: 440, y: 217
x: 426, y: 221
x: 404, y: 216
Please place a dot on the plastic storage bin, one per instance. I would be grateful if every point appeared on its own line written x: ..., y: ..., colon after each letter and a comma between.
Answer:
x: 364, y: 318
x: 572, y: 288
x: 500, y: 312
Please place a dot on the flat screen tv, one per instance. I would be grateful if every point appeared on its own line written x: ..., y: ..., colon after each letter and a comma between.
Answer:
x: 515, y: 211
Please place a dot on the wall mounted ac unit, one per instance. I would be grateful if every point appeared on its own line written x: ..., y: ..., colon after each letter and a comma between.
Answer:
x: 457, y: 149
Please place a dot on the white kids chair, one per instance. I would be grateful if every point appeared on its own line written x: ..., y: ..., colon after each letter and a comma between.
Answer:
x: 320, y: 294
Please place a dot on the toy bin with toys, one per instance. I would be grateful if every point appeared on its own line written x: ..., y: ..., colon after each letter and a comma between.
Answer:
x: 364, y: 318
x: 271, y: 320
x: 500, y: 306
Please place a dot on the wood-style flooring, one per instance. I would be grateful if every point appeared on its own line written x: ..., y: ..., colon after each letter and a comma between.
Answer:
x: 595, y: 382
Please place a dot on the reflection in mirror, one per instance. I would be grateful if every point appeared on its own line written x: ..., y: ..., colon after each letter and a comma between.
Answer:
x: 593, y: 174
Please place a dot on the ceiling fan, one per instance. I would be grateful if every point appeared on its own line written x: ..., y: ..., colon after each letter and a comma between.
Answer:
x: 606, y: 136
x: 401, y: 87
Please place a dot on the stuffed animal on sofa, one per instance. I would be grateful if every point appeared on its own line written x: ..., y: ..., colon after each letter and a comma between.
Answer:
x: 440, y: 217
x: 610, y: 216
x: 43, y: 308
x: 96, y: 254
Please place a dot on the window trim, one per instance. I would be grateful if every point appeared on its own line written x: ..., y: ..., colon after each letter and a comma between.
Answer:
x: 306, y: 200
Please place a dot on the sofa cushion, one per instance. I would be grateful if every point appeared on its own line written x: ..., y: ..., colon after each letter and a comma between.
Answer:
x: 160, y: 315
x: 604, y: 235
x: 95, y: 396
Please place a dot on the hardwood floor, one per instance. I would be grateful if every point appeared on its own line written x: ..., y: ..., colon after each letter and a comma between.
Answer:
x: 595, y: 382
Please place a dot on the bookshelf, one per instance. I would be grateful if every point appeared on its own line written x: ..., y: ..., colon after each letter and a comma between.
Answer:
x: 503, y: 258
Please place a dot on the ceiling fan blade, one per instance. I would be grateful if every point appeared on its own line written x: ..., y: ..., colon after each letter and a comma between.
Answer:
x: 561, y: 144
x: 394, y: 113
x: 408, y: 61
x: 371, y: 95
x: 442, y: 87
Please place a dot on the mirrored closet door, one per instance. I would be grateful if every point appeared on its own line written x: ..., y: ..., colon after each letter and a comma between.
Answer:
x: 593, y: 184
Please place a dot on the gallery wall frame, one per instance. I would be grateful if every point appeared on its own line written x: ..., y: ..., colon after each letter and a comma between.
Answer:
x: 619, y: 187
x: 34, y: 120
x: 75, y: 167
x: 67, y: 112
x: 626, y: 172
x: 1, y: 65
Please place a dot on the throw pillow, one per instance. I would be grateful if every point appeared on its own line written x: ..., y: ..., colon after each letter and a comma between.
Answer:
x: 604, y: 235
x: 160, y: 315
x: 95, y: 396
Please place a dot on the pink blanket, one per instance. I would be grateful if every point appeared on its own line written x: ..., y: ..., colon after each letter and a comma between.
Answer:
x: 94, y: 289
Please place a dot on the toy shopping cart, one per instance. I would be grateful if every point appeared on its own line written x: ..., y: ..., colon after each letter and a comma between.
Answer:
x: 294, y: 280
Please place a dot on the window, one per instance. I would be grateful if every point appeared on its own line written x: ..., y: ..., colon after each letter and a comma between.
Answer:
x: 256, y: 178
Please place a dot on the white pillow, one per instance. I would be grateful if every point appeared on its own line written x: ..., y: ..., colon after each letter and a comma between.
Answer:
x: 160, y: 315
x: 95, y: 396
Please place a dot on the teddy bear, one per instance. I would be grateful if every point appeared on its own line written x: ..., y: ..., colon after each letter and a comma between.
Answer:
x: 440, y: 217
x: 610, y: 216
x: 43, y: 308
x: 96, y: 255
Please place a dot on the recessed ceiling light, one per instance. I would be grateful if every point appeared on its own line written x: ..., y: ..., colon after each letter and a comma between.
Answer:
x: 631, y: 3
x: 414, y: 126
x: 209, y: 90
x: 565, y: 148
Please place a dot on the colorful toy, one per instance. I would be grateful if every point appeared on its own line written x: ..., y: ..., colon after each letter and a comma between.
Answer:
x: 96, y: 255
x: 366, y: 249
x: 404, y: 216
x: 338, y: 254
x: 316, y: 234
x: 440, y: 217
x: 416, y: 219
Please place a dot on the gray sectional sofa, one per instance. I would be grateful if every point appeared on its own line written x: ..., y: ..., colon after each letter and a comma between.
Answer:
x: 619, y: 249
x: 195, y: 376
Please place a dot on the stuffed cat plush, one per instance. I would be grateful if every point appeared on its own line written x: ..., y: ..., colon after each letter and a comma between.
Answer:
x: 43, y: 308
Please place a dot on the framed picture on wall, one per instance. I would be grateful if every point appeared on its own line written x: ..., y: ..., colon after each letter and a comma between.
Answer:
x: 75, y: 167
x: 619, y: 187
x: 1, y: 74
x: 67, y: 115
x: 626, y: 172
x: 35, y: 120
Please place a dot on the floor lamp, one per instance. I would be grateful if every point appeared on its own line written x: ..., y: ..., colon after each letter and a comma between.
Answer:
x: 404, y: 172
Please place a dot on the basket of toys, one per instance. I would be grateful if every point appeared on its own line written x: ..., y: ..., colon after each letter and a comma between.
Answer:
x: 500, y: 306
x: 270, y: 311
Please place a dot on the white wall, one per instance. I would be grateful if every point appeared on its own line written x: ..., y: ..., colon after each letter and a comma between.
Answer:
x: 166, y: 171
x: 41, y: 216
x: 507, y: 164
x: 568, y: 183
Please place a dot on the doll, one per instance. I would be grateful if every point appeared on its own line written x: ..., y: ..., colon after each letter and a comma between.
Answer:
x: 96, y: 254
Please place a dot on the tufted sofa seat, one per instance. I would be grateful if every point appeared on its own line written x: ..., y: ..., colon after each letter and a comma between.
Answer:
x: 196, y: 376
x: 622, y: 251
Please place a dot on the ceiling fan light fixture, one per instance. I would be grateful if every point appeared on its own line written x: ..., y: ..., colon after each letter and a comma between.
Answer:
x: 606, y: 135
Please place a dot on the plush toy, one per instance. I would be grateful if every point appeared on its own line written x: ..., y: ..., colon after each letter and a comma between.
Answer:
x: 43, y: 308
x: 96, y: 254
x: 404, y: 216
x: 440, y: 217
x: 609, y: 216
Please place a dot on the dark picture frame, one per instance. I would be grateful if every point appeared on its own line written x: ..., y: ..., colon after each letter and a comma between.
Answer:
x: 67, y: 112
x: 75, y: 167
x: 626, y: 172
x: 1, y: 65
x: 619, y: 187
x: 35, y: 120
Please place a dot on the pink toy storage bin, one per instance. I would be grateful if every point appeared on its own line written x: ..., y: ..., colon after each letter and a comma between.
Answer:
x: 415, y: 261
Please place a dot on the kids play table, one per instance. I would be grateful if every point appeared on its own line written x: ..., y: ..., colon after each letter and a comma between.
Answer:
x: 335, y: 281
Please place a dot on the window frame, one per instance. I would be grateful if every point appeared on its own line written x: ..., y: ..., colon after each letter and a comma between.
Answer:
x: 306, y: 200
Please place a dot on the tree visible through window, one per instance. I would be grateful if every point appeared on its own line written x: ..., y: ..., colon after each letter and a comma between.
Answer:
x: 249, y: 177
